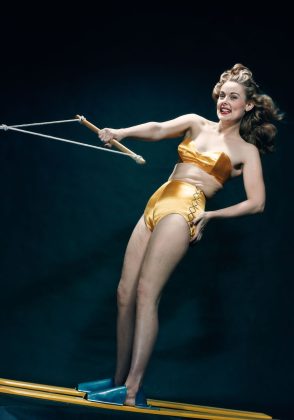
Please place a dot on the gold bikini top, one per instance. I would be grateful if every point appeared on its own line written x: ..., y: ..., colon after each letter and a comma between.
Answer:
x: 217, y: 164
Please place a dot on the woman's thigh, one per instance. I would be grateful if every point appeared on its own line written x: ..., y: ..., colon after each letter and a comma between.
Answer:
x: 134, y: 256
x: 167, y: 245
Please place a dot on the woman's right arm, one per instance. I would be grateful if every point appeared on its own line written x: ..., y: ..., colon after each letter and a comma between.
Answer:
x: 154, y: 131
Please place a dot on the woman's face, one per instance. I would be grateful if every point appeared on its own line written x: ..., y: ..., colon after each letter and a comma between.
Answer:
x: 231, y: 103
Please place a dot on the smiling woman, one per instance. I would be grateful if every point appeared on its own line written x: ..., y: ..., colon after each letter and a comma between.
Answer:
x: 210, y: 153
x: 237, y: 87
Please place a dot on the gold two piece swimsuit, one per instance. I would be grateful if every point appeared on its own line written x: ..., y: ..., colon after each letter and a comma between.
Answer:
x: 181, y: 197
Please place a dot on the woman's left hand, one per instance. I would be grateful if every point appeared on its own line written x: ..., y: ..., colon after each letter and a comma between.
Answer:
x: 200, y: 222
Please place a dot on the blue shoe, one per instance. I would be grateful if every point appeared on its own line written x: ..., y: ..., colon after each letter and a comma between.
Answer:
x: 141, y: 400
x: 117, y: 396
x: 96, y: 386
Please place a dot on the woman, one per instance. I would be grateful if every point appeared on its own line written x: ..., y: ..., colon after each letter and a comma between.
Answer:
x: 175, y: 216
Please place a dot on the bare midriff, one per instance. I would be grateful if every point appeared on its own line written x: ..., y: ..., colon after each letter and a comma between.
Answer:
x: 188, y: 172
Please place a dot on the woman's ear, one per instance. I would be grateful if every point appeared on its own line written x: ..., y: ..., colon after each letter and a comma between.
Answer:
x: 249, y: 106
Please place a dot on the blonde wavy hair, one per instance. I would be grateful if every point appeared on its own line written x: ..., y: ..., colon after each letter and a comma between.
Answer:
x: 257, y: 125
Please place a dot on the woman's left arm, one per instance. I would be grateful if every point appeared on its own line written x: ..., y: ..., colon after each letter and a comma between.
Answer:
x: 255, y: 191
x: 254, y: 187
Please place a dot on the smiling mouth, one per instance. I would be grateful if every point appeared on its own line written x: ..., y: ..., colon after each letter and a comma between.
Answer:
x: 225, y: 111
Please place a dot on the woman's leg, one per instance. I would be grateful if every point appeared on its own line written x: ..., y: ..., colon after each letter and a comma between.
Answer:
x: 166, y: 247
x: 126, y: 299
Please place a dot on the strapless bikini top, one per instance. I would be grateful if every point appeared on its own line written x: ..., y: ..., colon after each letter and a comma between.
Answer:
x: 217, y: 164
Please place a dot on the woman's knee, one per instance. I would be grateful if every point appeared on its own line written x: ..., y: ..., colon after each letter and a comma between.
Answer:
x: 146, y: 295
x: 125, y: 294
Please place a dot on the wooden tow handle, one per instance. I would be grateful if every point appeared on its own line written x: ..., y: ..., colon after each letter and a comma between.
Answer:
x: 114, y: 142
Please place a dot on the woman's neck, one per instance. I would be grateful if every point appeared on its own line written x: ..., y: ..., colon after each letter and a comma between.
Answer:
x: 227, y: 128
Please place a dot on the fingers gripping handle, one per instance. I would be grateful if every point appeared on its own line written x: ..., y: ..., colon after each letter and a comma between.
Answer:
x: 114, y: 142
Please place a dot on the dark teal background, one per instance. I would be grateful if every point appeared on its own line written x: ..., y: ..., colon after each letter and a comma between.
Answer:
x: 66, y: 213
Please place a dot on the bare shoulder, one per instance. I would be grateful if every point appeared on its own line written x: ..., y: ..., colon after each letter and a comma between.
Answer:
x: 249, y: 152
x: 197, y: 123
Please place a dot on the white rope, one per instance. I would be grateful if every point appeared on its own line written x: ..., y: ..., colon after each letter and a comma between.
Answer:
x: 13, y: 128
x: 47, y: 122
x: 79, y: 119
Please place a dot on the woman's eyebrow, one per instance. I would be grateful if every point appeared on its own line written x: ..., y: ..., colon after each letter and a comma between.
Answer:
x: 235, y: 93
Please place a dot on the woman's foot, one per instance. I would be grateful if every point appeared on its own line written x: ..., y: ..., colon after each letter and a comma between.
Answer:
x: 132, y: 391
x: 131, y: 397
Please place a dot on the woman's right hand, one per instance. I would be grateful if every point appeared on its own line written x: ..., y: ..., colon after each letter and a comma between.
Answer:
x: 108, y: 134
x: 200, y: 222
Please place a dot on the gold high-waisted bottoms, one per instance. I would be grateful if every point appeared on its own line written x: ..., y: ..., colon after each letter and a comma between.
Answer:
x: 175, y: 196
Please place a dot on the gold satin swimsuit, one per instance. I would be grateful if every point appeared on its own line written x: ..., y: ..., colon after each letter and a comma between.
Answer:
x: 181, y: 197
